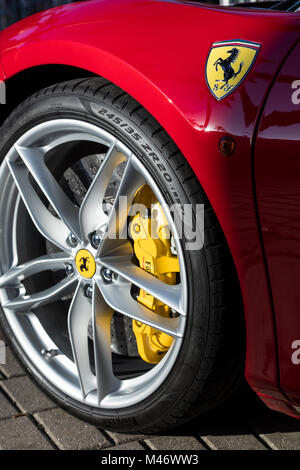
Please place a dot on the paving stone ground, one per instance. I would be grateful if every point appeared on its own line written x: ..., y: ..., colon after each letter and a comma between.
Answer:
x: 30, y: 420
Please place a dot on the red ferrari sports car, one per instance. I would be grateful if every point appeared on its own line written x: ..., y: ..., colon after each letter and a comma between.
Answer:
x: 150, y: 206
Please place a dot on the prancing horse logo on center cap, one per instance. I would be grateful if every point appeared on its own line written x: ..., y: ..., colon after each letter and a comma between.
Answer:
x: 227, y: 65
x: 85, y: 264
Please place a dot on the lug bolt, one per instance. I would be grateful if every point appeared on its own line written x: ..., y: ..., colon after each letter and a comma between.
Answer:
x: 173, y: 313
x: 69, y: 270
x: 88, y: 291
x: 50, y: 353
x: 96, y: 239
x: 72, y: 240
x: 107, y: 275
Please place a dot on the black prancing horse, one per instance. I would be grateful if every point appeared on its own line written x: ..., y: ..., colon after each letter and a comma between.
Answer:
x: 229, y: 72
x: 83, y: 266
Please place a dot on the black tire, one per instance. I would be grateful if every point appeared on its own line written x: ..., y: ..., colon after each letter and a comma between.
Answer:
x: 211, y: 360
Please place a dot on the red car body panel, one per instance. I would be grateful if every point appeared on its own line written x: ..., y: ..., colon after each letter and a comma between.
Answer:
x: 156, y: 51
x: 277, y: 169
x: 2, y: 76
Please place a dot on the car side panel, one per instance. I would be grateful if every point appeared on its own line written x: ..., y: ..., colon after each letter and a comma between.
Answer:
x: 277, y: 173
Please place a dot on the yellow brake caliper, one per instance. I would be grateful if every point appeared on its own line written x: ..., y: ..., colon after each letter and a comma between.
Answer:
x: 155, y: 256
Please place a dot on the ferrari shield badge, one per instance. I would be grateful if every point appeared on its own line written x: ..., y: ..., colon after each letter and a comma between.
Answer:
x: 227, y: 65
x: 85, y: 263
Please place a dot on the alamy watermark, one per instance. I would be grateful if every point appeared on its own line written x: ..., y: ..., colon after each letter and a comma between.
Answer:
x: 2, y: 352
x: 187, y: 222
x: 296, y: 94
x: 296, y: 353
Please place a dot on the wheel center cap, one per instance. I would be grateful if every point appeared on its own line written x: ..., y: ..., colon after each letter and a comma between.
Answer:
x: 85, y: 264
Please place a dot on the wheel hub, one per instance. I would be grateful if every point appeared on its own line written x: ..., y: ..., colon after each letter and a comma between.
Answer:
x: 85, y: 264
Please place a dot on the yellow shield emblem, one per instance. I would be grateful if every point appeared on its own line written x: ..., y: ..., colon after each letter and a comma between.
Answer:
x: 227, y: 65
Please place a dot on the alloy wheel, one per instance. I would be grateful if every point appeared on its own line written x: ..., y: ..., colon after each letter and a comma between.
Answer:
x: 96, y: 289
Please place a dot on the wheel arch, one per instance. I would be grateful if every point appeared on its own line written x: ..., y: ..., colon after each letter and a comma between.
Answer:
x: 33, y: 79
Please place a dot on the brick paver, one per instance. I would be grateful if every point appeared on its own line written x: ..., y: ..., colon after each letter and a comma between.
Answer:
x: 128, y: 446
x: 69, y: 433
x: 21, y: 434
x: 6, y: 408
x: 278, y: 431
x: 26, y: 395
x: 120, y: 438
x: 12, y: 368
x: 222, y: 431
x: 174, y: 443
x: 232, y: 438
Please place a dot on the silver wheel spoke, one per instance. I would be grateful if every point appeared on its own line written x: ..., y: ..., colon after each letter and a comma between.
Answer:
x: 25, y: 303
x: 44, y: 263
x: 102, y: 315
x: 170, y: 295
x: 70, y: 135
x: 119, y: 298
x: 116, y: 234
x: 91, y: 215
x: 80, y: 314
x: 52, y: 228
x: 33, y: 158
